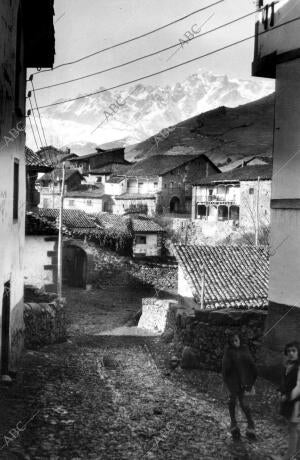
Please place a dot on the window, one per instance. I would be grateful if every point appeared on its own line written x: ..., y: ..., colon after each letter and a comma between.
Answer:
x: 99, y: 180
x: 89, y: 202
x: 16, y: 191
x: 71, y: 202
x: 155, y: 185
x: 251, y: 191
x: 171, y: 185
x: 140, y: 239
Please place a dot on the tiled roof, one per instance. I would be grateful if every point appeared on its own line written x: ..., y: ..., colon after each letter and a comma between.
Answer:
x: 111, y: 168
x: 115, y: 180
x: 99, y: 152
x: 32, y: 159
x: 264, y: 172
x: 158, y: 165
x: 135, y: 196
x: 72, y: 218
x: 234, y: 276
x: 111, y: 221
x: 53, y: 155
x: 145, y: 225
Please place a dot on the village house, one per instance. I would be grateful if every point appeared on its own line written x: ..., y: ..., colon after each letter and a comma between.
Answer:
x: 93, y: 161
x: 163, y: 183
x: 78, y: 255
x: 49, y: 186
x: 240, y: 197
x: 24, y: 43
x: 148, y: 237
x: 56, y: 156
x: 34, y: 166
x: 276, y: 55
x: 216, y: 277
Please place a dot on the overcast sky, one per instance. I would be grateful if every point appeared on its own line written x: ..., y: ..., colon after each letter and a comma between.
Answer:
x: 83, y: 27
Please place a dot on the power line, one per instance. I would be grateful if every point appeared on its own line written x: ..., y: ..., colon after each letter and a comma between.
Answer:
x: 169, y: 68
x: 132, y: 39
x: 43, y: 131
x: 149, y: 55
x: 33, y: 131
x: 32, y: 111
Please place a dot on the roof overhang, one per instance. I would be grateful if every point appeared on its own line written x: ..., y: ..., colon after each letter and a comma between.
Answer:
x: 39, y: 33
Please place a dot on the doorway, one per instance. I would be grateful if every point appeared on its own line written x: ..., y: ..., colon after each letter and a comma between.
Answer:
x: 74, y: 266
x: 5, y: 329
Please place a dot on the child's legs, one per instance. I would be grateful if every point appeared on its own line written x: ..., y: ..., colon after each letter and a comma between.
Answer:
x: 246, y: 409
x: 293, y: 441
x: 231, y: 406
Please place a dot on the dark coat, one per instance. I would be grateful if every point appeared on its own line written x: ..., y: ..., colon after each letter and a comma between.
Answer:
x: 238, y: 369
x: 288, y: 383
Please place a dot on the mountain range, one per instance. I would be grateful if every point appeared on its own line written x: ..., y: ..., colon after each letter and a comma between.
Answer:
x: 129, y: 116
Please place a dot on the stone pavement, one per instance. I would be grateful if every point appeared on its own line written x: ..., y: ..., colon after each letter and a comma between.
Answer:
x: 114, y: 397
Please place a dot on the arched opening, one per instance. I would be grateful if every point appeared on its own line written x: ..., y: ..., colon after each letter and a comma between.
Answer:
x: 234, y: 213
x: 223, y: 212
x: 201, y: 211
x: 174, y: 204
x: 74, y: 266
x: 5, y: 329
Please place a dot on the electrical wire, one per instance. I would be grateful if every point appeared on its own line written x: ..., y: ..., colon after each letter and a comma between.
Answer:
x: 230, y: 45
x: 148, y: 55
x: 37, y: 128
x: 131, y: 39
x: 39, y: 114
x: 37, y: 147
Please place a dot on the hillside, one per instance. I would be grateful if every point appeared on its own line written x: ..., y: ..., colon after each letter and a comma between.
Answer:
x: 224, y: 134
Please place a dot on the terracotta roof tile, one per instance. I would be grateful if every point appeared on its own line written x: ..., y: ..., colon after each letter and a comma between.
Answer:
x: 145, y: 225
x: 72, y: 218
x: 235, y: 276
x: 34, y: 160
x: 158, y: 165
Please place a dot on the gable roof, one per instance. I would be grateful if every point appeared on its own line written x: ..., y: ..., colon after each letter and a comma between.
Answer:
x: 247, y: 173
x: 34, y: 161
x: 145, y: 225
x: 159, y: 165
x: 112, y: 221
x: 246, y: 161
x: 234, y: 276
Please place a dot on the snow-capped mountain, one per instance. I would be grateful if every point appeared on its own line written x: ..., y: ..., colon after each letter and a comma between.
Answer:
x: 133, y: 114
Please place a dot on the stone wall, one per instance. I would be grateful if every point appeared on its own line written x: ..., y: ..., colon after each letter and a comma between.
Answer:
x: 45, y: 323
x: 206, y: 332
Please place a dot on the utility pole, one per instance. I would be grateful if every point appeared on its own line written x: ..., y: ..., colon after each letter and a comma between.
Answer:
x: 257, y: 213
x: 59, y: 261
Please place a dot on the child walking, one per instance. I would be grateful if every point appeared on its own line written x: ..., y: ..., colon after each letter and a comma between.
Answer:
x: 290, y: 397
x: 239, y: 374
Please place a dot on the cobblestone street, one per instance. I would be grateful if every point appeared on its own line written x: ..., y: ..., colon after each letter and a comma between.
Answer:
x: 114, y: 397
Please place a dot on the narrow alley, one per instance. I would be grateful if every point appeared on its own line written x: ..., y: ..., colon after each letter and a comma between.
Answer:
x: 102, y: 395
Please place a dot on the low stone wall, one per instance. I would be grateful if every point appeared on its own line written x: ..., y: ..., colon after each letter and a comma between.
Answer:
x: 45, y: 323
x: 206, y: 332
